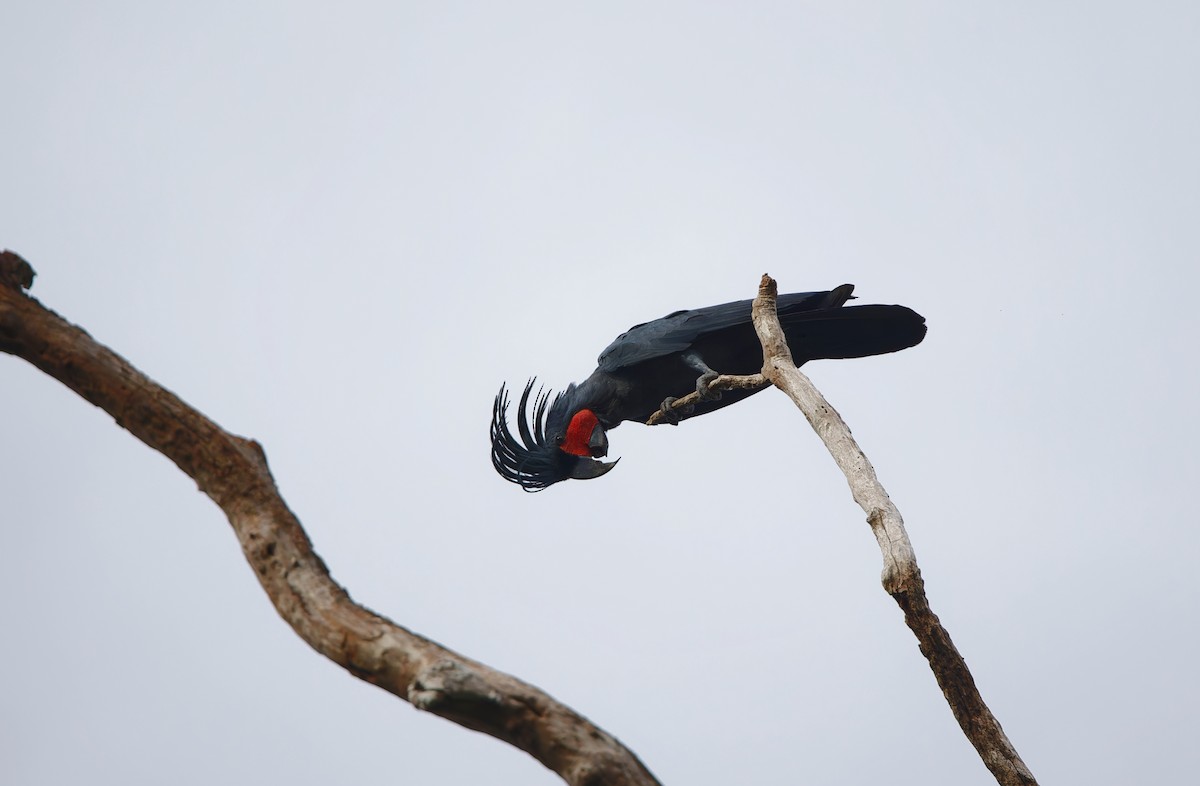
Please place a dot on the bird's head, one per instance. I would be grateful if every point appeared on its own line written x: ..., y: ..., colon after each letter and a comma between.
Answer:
x: 558, y: 440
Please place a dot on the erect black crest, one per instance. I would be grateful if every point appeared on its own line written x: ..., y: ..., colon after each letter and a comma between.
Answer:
x: 531, y: 462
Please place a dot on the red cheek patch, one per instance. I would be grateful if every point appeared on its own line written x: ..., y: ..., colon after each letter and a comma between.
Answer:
x: 579, y: 432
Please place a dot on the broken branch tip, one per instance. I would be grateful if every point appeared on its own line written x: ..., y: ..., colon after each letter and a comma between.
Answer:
x: 15, y: 272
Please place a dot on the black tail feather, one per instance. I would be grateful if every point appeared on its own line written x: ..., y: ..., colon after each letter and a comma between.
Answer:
x: 852, y: 331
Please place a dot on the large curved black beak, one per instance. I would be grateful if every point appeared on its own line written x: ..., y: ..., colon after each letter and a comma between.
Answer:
x: 588, y: 468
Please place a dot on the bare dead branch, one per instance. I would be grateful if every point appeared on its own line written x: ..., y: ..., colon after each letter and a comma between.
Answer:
x: 721, y: 383
x: 901, y: 576
x: 233, y: 472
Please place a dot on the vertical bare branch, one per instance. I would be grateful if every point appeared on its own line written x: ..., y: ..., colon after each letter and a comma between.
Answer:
x: 901, y: 576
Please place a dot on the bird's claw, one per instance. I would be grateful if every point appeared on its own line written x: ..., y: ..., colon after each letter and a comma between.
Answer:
x: 671, y: 415
x: 703, y: 390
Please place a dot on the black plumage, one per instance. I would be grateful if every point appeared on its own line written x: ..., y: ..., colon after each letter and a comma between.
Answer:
x: 656, y: 360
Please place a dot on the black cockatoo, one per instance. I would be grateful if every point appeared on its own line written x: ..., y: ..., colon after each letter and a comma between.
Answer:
x: 653, y: 362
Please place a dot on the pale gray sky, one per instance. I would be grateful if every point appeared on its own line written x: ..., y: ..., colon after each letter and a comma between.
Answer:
x: 338, y: 230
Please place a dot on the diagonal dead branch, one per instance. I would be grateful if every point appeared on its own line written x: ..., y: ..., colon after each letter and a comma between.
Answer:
x: 233, y: 472
x: 901, y: 576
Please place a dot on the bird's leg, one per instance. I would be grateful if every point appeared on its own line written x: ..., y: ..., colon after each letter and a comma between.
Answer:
x: 707, y: 375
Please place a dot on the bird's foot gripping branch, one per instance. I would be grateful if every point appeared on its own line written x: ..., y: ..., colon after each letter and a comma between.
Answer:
x: 686, y: 404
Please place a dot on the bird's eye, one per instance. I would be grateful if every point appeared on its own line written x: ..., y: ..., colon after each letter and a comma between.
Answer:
x: 559, y: 439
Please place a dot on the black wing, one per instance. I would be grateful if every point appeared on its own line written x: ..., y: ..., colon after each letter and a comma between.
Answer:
x: 679, y: 330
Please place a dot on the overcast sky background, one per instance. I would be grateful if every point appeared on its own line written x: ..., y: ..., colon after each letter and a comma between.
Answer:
x: 338, y: 230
